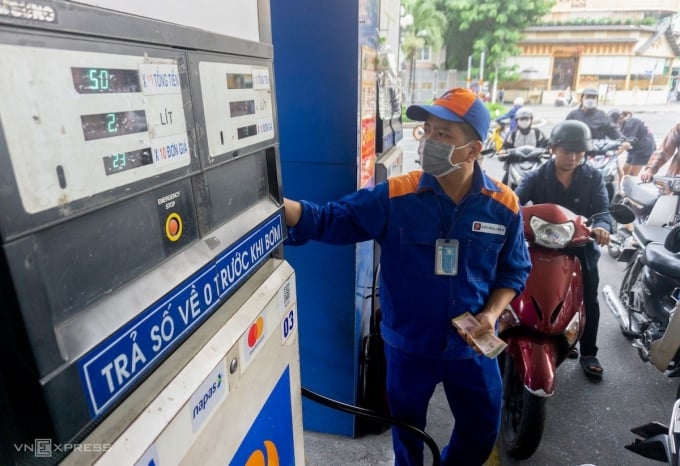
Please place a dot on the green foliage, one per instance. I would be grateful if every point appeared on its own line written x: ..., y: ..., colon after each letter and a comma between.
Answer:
x: 496, y: 109
x: 429, y: 25
x: 492, y: 26
x: 646, y: 21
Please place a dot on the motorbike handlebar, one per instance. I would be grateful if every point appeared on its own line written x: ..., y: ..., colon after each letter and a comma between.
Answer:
x: 671, y: 183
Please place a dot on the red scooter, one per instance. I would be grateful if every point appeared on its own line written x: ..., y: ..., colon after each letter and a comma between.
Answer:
x: 544, y: 322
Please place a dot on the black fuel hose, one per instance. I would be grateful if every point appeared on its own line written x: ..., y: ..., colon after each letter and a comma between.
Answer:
x: 372, y: 415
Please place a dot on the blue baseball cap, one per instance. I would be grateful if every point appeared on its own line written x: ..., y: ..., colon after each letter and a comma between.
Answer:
x: 460, y: 105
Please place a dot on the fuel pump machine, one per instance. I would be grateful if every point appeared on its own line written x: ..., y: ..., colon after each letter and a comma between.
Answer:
x: 147, y: 314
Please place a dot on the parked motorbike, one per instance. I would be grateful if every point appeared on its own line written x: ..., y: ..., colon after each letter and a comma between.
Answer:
x: 518, y: 161
x: 647, y: 304
x: 604, y: 157
x: 659, y: 442
x: 564, y: 99
x: 656, y: 207
x: 544, y: 322
x: 640, y: 197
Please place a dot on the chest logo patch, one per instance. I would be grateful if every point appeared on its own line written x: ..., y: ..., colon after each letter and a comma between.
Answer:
x: 484, y: 227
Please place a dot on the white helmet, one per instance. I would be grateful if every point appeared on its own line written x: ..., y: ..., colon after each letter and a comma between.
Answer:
x: 524, y: 112
x: 519, y: 101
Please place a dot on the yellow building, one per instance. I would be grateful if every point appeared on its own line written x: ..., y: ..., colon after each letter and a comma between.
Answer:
x: 601, y: 44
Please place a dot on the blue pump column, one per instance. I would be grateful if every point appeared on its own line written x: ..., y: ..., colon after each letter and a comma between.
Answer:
x: 324, y: 62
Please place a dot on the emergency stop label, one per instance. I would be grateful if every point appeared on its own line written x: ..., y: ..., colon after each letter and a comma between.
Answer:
x: 109, y: 370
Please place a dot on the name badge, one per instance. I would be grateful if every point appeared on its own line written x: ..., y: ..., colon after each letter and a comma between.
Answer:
x: 446, y: 257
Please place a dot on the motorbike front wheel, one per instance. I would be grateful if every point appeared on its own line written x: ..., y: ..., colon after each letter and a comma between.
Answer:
x: 522, y: 418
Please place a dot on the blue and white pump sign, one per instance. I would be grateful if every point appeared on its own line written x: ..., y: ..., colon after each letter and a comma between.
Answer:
x: 110, y: 369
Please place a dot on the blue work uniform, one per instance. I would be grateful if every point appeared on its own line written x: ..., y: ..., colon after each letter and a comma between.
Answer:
x: 406, y: 215
x: 587, y: 196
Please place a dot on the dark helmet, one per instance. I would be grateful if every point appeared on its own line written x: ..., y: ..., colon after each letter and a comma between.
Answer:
x: 615, y: 114
x: 589, y: 91
x: 571, y: 135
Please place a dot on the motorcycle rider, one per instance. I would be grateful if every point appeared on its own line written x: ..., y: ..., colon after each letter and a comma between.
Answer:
x: 669, y: 149
x: 601, y: 126
x: 642, y: 143
x: 525, y: 135
x: 567, y: 181
x: 510, y: 114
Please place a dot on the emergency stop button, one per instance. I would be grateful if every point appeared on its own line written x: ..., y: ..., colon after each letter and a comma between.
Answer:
x: 173, y: 226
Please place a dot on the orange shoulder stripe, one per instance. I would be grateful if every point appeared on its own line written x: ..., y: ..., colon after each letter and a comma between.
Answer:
x: 404, y: 184
x: 505, y: 196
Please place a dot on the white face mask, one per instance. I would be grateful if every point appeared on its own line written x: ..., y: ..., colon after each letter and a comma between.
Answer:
x: 524, y: 124
x: 589, y: 103
x: 435, y: 157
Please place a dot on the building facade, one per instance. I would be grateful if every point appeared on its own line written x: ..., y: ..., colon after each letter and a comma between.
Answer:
x: 602, y: 44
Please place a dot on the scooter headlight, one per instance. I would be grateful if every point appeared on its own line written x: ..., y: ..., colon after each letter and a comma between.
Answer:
x: 571, y: 331
x: 550, y: 235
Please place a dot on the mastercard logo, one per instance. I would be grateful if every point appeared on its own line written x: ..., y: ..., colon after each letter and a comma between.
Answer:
x: 255, y: 332
x: 268, y: 457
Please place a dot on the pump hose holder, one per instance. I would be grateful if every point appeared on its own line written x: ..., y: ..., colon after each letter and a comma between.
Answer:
x: 372, y: 415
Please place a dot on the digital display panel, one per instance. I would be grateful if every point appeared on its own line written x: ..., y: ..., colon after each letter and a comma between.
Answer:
x: 107, y: 125
x: 105, y: 80
x: 246, y: 131
x: 239, y: 81
x: 121, y: 161
x: 240, y: 108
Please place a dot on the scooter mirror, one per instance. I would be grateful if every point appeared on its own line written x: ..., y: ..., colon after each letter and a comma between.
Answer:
x: 672, y: 242
x: 622, y: 213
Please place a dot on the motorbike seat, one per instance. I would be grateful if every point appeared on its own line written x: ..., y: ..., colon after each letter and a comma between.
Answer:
x: 644, y: 194
x: 650, y: 233
x: 660, y: 259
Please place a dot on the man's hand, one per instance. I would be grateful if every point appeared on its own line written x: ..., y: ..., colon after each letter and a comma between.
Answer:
x: 601, y: 236
x: 487, y: 324
x: 624, y: 146
x: 646, y: 175
x: 293, y: 212
x: 473, y: 332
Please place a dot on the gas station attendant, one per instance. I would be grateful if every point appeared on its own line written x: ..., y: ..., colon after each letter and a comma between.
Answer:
x: 451, y: 241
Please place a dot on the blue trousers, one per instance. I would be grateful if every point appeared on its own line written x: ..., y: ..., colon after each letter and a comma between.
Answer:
x: 473, y: 391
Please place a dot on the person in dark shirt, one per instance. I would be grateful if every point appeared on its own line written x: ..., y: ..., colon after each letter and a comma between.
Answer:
x: 669, y: 150
x: 601, y: 126
x: 640, y: 145
x: 567, y: 181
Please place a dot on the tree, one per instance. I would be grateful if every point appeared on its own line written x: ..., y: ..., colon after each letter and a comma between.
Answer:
x: 492, y: 26
x: 426, y: 29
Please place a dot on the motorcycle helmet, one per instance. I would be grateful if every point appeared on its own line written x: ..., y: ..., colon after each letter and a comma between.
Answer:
x: 571, y: 135
x: 524, y: 112
x: 519, y: 101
